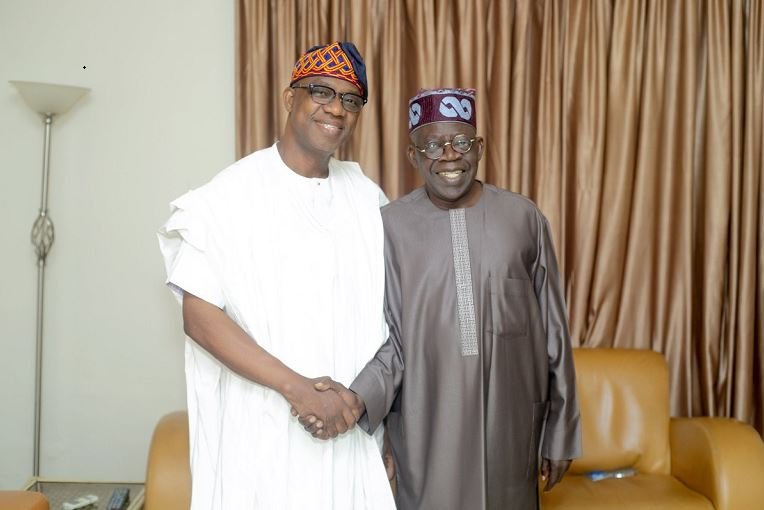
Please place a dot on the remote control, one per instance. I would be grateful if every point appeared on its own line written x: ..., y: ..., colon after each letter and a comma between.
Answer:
x: 596, y: 476
x: 119, y: 499
x: 81, y: 502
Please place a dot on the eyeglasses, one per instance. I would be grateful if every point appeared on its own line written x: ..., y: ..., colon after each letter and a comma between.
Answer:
x: 322, y: 94
x: 435, y: 149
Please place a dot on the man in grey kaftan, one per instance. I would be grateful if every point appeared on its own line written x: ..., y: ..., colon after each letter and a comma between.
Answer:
x: 476, y: 378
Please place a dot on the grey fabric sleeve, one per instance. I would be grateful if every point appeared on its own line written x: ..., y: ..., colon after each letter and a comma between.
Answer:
x: 562, y: 433
x: 380, y: 380
x: 378, y: 383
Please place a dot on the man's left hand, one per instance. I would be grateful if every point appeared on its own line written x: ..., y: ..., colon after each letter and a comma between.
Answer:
x: 552, y: 471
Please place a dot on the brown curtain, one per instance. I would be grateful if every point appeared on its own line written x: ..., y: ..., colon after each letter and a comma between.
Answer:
x: 636, y: 126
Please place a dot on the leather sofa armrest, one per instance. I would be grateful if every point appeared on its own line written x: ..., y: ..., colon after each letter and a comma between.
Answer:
x: 721, y: 458
x: 23, y: 500
x: 168, y: 475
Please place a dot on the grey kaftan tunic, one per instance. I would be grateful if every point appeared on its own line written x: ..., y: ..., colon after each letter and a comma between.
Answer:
x: 466, y: 424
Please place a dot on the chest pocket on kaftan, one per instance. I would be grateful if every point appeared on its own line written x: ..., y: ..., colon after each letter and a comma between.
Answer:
x: 509, y: 307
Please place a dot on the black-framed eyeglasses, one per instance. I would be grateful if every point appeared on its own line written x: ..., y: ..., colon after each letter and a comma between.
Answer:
x: 435, y: 149
x: 322, y: 94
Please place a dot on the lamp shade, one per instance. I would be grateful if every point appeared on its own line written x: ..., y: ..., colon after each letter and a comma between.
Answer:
x: 49, y: 98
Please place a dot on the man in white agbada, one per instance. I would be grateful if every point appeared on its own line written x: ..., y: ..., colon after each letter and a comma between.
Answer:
x: 278, y: 264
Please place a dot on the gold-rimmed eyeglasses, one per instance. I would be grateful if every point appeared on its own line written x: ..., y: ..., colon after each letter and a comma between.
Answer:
x: 435, y: 149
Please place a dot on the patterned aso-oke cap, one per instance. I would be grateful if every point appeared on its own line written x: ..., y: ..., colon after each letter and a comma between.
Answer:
x: 335, y: 60
x: 442, y: 105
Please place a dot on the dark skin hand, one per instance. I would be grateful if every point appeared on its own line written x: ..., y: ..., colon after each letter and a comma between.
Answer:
x: 354, y: 408
x: 389, y: 460
x: 316, y: 426
x: 552, y: 471
x: 338, y: 416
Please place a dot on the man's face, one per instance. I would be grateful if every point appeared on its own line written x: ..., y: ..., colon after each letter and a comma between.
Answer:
x: 449, y: 180
x: 317, y: 127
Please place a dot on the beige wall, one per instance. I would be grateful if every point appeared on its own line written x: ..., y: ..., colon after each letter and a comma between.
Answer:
x: 159, y: 120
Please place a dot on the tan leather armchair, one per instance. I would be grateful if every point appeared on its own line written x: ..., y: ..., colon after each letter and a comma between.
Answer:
x: 23, y: 500
x: 681, y: 463
x: 168, y: 475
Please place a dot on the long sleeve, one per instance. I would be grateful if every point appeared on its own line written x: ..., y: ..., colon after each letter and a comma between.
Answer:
x: 562, y: 435
x: 380, y: 380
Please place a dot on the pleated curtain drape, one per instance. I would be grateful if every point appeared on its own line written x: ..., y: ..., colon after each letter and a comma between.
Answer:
x: 636, y: 126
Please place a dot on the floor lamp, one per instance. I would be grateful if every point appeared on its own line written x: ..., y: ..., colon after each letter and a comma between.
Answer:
x: 48, y: 100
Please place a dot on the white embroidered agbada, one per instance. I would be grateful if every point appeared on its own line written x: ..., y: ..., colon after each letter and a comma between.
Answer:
x: 298, y: 264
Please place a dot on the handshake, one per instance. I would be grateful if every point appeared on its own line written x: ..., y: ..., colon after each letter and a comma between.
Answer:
x: 325, y: 407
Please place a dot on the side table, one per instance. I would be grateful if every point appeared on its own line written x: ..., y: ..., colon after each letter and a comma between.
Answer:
x: 59, y: 491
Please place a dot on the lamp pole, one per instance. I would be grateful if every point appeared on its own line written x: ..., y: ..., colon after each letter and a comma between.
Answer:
x: 43, y: 235
x: 48, y: 100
